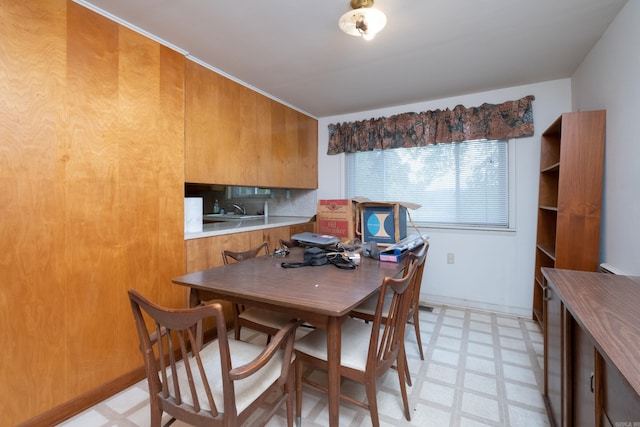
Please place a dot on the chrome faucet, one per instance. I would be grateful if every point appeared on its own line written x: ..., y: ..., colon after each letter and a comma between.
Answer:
x: 240, y: 208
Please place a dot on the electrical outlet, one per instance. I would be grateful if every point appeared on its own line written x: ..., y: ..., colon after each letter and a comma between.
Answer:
x: 450, y: 258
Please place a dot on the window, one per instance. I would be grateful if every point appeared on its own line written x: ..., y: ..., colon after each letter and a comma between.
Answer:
x: 459, y: 184
x: 247, y: 192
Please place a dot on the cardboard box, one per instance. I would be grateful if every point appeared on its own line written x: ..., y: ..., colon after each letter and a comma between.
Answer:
x: 343, y: 218
x: 384, y: 222
x: 337, y: 217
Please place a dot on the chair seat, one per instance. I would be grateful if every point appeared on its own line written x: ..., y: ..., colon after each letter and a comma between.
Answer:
x: 356, y: 335
x: 368, y: 307
x: 246, y: 390
x: 268, y: 318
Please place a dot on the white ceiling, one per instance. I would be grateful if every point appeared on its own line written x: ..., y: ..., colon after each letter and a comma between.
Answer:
x: 294, y: 51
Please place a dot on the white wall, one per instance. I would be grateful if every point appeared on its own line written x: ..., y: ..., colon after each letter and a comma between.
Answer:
x: 609, y: 78
x: 493, y: 269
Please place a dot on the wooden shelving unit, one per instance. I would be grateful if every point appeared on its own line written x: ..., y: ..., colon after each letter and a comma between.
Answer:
x: 569, y: 198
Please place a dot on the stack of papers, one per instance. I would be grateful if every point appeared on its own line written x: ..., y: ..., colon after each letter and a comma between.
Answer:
x: 397, y: 252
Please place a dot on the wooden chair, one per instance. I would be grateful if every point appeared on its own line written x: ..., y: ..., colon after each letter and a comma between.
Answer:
x: 220, y: 384
x: 368, y: 349
x: 227, y: 256
x: 289, y: 243
x: 261, y: 320
x: 366, y: 310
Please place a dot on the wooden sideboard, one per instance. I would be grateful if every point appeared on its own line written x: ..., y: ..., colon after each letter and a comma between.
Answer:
x: 592, y: 344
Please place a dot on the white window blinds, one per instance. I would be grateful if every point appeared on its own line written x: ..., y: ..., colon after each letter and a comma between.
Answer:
x: 464, y: 184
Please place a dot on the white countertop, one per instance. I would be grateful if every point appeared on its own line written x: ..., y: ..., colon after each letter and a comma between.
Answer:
x: 239, y: 226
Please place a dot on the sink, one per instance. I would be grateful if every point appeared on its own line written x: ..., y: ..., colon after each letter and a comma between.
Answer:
x: 230, y: 217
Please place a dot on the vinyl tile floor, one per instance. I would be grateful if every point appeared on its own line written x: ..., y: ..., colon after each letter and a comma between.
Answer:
x: 480, y: 369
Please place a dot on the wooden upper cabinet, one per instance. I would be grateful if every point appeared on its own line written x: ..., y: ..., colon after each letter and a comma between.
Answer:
x: 220, y: 129
x: 236, y: 136
x: 306, y: 166
x: 289, y: 151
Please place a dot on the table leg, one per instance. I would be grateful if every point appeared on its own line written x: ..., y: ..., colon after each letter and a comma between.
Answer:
x: 334, y: 343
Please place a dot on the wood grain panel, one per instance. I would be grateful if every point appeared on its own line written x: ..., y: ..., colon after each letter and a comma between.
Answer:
x: 237, y: 136
x: 603, y: 314
x: 272, y: 236
x: 275, y: 170
x: 220, y: 129
x: 32, y: 154
x: 289, y: 155
x: 92, y: 208
x: 168, y: 209
x: 307, y: 160
x: 201, y: 254
x: 580, y: 189
x: 92, y: 172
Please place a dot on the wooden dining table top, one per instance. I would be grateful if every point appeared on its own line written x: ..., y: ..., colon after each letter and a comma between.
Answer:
x: 325, y: 290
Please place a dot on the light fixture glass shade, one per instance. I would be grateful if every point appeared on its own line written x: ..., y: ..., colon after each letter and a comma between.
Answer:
x: 364, y: 22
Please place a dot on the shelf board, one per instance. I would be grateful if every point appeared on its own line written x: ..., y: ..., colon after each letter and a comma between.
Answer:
x: 548, y: 250
x: 549, y: 208
x: 551, y: 168
x: 537, y: 316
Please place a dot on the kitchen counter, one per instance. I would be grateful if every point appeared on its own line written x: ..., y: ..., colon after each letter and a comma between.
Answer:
x: 237, y: 226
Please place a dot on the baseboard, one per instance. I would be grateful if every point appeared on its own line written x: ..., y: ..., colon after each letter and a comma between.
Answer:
x: 430, y: 300
x: 91, y: 398
x: 86, y: 400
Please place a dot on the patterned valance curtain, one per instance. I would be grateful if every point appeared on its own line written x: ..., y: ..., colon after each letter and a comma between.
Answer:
x: 511, y: 119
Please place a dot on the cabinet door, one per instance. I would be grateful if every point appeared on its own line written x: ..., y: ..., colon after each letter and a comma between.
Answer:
x: 308, y: 153
x: 221, y: 129
x: 582, y: 377
x: 271, y: 236
x: 301, y: 228
x: 553, y: 355
x: 289, y: 149
x: 621, y: 403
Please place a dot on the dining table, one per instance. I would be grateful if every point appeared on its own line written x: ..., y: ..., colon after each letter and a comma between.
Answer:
x: 322, y: 296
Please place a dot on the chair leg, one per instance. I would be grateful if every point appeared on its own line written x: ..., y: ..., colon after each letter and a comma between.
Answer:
x: 236, y: 322
x: 402, y: 374
x: 299, y: 366
x: 406, y: 370
x: 290, y: 390
x: 156, y: 415
x: 416, y: 327
x: 373, y: 401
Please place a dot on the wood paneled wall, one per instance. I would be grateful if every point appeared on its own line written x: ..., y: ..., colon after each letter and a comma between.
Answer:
x: 91, y: 176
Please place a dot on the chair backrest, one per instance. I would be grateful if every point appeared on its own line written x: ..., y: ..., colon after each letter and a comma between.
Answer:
x: 227, y: 256
x: 172, y: 337
x: 387, y: 334
x: 420, y: 257
x: 289, y: 243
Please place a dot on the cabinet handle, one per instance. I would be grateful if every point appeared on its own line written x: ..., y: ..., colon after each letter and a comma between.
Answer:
x: 546, y: 293
x: 591, y: 382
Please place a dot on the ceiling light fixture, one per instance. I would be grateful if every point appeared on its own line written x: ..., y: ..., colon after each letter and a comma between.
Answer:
x: 363, y: 20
